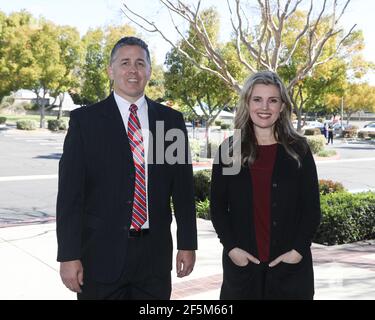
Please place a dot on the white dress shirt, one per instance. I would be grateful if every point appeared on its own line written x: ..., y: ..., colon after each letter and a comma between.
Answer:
x: 142, y: 113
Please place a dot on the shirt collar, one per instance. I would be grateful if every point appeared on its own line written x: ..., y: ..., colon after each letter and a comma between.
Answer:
x: 125, y: 104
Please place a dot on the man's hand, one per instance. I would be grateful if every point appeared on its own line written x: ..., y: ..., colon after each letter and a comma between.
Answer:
x: 185, y: 261
x: 241, y: 257
x: 291, y: 257
x: 71, y: 273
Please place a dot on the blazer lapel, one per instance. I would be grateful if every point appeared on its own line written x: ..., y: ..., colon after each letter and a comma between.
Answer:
x: 152, y: 118
x: 115, y: 126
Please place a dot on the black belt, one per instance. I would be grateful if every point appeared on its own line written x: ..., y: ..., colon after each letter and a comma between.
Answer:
x: 132, y: 233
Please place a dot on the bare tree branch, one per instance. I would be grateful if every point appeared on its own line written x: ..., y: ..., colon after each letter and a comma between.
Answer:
x: 263, y: 42
x: 299, y: 36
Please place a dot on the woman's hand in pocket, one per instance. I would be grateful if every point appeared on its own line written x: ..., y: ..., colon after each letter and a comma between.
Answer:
x: 241, y: 257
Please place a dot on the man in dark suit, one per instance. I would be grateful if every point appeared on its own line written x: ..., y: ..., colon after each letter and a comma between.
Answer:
x: 115, y: 186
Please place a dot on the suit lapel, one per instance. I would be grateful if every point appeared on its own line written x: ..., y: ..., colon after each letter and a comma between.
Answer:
x: 152, y: 118
x: 115, y: 126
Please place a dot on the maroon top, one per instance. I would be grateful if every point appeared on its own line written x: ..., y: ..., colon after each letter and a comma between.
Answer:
x: 261, y: 176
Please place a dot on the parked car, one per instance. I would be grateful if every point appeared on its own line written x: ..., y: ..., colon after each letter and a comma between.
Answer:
x: 338, y: 127
x: 368, y: 124
x: 313, y: 125
x: 370, y: 127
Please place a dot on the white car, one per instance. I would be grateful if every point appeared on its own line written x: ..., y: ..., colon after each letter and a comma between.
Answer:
x: 369, y: 128
x: 313, y: 125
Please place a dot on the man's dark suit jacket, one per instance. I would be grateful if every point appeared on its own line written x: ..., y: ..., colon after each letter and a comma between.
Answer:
x: 295, y: 216
x: 96, y: 185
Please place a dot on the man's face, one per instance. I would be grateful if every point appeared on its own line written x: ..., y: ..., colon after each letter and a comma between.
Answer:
x: 130, y: 71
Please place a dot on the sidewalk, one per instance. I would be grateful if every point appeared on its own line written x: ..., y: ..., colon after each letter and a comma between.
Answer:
x: 29, y: 270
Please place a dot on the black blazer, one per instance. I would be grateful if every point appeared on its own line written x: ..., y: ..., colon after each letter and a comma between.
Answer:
x: 295, y: 214
x: 96, y: 185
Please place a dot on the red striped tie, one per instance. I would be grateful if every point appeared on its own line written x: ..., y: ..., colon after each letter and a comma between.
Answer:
x: 139, y: 215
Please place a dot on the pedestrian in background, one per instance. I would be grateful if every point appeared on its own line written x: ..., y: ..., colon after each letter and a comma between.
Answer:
x: 325, y: 130
x: 330, y: 133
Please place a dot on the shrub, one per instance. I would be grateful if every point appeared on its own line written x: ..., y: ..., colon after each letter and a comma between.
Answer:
x: 329, y: 186
x: 195, y: 149
x: 4, y: 105
x: 312, y: 132
x: 7, y: 101
x: 3, y: 120
x: 349, y: 133
x: 202, y: 181
x: 316, y: 143
x: 214, y: 146
x: 218, y: 123
x: 29, y: 106
x: 57, y: 124
x: 346, y: 218
x: 225, y: 126
x: 26, y: 125
x: 203, y: 209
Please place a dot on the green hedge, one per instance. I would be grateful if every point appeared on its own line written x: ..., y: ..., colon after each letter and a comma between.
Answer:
x: 312, y: 132
x: 3, y: 120
x: 346, y: 218
x: 202, y: 181
x: 195, y: 149
x: 57, y: 124
x: 26, y: 125
x: 316, y: 143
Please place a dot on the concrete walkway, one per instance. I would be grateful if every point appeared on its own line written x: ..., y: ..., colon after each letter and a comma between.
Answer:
x: 29, y: 270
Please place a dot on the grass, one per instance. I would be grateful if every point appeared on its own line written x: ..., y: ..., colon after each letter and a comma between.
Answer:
x: 13, y: 118
x: 326, y: 153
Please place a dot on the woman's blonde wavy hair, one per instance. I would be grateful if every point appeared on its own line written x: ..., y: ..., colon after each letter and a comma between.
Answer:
x: 284, y: 131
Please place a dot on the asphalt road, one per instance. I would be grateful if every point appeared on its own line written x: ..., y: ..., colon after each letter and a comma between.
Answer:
x: 29, y: 163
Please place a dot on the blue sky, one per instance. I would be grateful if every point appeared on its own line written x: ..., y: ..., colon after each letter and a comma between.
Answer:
x: 84, y: 14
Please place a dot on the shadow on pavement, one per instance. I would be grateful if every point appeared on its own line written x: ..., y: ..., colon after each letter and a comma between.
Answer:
x: 52, y: 156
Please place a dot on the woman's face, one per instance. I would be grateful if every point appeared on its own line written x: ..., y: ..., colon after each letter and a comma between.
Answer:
x: 265, y: 105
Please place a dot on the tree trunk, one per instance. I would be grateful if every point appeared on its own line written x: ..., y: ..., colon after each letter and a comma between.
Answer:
x: 62, y: 97
x: 42, y: 116
x: 207, y: 133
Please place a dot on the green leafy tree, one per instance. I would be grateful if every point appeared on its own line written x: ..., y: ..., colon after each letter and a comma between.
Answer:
x: 98, y: 44
x: 48, y: 68
x: 155, y: 88
x: 309, y: 93
x: 16, y: 57
x: 71, y: 56
x: 356, y: 97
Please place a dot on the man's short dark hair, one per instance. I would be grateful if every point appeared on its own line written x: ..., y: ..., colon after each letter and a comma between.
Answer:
x: 130, y: 41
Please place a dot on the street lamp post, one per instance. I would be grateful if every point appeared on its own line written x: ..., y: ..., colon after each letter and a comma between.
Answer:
x: 342, y: 112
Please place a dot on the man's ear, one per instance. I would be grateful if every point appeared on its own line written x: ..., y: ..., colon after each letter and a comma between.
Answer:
x: 150, y: 73
x: 110, y: 72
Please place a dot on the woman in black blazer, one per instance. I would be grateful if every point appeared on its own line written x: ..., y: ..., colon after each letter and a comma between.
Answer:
x: 265, y: 214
